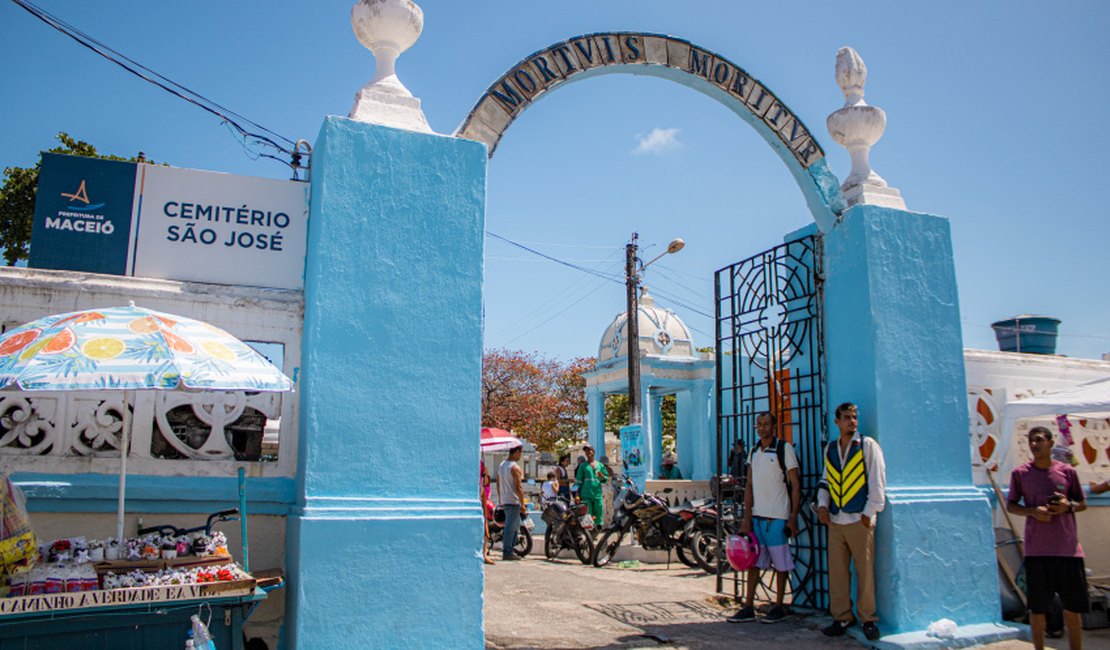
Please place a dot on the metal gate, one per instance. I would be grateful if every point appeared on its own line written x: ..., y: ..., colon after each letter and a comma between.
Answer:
x: 769, y: 358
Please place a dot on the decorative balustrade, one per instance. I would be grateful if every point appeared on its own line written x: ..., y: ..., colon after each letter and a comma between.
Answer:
x: 80, y: 431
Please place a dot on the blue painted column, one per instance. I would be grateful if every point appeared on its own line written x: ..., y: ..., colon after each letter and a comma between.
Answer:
x: 653, y: 431
x: 384, y: 546
x: 894, y: 347
x: 595, y: 403
x: 697, y: 438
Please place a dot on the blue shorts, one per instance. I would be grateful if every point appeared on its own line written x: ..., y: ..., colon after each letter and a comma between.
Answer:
x: 774, y: 548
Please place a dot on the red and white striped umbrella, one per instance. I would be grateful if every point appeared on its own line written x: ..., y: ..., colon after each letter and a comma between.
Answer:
x: 498, y: 439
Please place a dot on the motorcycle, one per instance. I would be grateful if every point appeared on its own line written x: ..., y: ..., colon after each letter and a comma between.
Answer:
x: 569, y: 526
x: 655, y: 525
x: 523, y: 544
x: 705, y: 545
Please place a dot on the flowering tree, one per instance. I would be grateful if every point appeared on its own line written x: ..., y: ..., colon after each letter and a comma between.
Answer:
x: 541, y: 400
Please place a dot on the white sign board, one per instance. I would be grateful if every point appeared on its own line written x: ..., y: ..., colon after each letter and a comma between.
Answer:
x: 220, y: 228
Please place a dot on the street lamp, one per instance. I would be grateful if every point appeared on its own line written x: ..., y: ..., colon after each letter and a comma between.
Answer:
x: 633, y: 269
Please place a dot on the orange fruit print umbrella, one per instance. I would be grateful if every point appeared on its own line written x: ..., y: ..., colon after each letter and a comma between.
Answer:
x: 130, y: 348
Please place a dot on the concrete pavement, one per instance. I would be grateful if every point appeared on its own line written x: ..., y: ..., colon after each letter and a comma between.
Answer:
x: 536, y: 603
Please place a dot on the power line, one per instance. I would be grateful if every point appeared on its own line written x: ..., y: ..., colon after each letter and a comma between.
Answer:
x: 606, y: 276
x: 178, y: 90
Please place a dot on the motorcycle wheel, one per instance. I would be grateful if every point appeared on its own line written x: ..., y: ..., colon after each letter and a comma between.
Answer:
x: 704, y: 547
x: 684, y: 556
x: 523, y: 543
x: 605, y: 549
x: 583, y: 546
x: 551, y: 546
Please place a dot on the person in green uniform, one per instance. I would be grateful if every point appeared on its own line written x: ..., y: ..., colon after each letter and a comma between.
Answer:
x: 591, y: 475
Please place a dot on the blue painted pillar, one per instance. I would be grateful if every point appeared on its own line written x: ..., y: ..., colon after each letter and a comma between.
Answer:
x: 653, y: 431
x: 595, y: 423
x: 697, y: 439
x: 894, y: 347
x: 384, y: 546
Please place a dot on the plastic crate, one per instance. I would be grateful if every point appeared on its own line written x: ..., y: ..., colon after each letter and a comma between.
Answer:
x: 1096, y: 617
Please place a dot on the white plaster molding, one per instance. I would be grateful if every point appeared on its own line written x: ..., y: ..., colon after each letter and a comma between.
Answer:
x: 857, y: 127
x: 387, y: 28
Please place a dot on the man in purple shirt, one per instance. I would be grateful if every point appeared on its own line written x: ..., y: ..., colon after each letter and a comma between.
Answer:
x: 1048, y: 494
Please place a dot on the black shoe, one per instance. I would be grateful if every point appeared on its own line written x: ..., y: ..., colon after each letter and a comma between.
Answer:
x: 838, y: 628
x: 871, y: 631
x: 775, y: 615
x: 1054, y: 634
x: 744, y: 615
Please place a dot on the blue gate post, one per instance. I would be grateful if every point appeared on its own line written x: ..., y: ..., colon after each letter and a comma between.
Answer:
x: 894, y: 347
x: 384, y: 548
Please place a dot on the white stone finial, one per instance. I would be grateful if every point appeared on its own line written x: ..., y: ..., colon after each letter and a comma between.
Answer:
x: 387, y: 28
x: 857, y: 127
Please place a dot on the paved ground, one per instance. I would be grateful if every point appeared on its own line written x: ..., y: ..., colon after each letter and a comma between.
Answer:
x: 535, y: 603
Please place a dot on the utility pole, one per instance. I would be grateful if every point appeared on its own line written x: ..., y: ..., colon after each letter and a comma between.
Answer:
x: 632, y: 270
x: 632, y: 281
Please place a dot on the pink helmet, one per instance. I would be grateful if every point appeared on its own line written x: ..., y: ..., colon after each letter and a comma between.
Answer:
x: 742, y: 551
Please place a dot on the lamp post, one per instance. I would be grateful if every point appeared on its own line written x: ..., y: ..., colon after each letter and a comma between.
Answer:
x: 633, y: 269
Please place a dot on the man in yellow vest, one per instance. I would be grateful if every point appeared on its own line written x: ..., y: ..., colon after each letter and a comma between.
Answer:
x: 849, y: 497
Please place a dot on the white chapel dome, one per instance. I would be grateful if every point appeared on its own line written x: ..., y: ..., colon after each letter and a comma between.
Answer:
x: 662, y: 333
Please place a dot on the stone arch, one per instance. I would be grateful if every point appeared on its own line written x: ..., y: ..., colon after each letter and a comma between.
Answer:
x: 591, y: 55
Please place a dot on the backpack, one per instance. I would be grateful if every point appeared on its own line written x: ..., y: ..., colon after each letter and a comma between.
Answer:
x: 780, y: 453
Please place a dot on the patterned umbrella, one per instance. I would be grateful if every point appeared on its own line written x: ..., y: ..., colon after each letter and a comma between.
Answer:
x: 130, y: 348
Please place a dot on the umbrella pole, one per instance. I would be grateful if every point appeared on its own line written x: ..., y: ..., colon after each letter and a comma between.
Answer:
x: 124, y: 438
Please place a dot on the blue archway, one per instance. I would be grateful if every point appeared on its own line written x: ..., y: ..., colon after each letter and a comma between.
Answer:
x: 591, y: 55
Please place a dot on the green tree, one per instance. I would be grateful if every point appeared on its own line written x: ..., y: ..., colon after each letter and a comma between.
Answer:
x: 616, y: 416
x: 541, y: 400
x: 17, y: 196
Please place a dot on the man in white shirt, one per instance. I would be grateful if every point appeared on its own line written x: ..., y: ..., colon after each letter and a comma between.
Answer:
x: 850, y: 496
x: 771, y: 499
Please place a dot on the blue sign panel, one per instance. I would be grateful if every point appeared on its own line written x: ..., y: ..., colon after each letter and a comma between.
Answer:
x: 634, y: 455
x: 82, y: 214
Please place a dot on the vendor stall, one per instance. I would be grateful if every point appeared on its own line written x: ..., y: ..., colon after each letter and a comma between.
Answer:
x: 164, y: 585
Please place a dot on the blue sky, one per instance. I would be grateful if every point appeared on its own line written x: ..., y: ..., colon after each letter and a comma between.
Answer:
x: 996, y: 114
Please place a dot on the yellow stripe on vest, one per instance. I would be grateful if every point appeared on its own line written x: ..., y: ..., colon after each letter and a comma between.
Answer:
x: 844, y: 485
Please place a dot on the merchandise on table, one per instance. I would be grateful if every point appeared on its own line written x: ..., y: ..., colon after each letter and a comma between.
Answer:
x: 74, y: 564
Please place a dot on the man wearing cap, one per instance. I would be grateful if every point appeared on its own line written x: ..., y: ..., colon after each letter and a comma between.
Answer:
x: 590, y: 476
x: 670, y: 471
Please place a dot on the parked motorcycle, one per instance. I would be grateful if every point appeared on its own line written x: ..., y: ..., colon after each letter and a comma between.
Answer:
x: 523, y: 544
x: 655, y: 525
x: 569, y: 526
x: 705, y: 545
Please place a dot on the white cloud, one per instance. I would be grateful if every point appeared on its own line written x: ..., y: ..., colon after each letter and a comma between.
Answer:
x: 659, y: 141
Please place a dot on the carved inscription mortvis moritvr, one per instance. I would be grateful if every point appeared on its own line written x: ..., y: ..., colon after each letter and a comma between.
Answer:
x: 552, y: 66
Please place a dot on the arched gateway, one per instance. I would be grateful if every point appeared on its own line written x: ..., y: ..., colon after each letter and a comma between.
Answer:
x: 381, y: 552
x: 591, y: 55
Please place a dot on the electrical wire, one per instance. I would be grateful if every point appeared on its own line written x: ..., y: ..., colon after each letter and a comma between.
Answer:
x: 178, y: 90
x: 604, y: 276
x: 569, y: 291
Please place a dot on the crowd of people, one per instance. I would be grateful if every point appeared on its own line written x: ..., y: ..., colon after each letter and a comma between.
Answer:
x: 850, y: 496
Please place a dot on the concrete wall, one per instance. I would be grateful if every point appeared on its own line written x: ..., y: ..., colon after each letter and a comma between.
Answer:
x: 381, y: 553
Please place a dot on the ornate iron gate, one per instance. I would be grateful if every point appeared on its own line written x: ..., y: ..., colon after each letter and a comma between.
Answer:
x: 769, y: 358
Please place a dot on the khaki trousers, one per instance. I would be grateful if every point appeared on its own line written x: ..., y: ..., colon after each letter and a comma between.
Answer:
x: 854, y: 542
